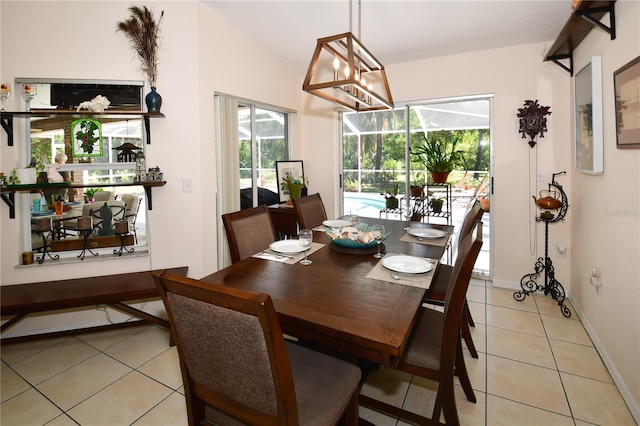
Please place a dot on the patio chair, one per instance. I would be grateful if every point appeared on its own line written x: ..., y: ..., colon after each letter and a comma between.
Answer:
x: 237, y: 367
x: 132, y: 201
x: 310, y: 211
x: 248, y: 231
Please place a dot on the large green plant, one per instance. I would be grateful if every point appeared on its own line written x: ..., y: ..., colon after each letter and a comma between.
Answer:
x: 439, y: 152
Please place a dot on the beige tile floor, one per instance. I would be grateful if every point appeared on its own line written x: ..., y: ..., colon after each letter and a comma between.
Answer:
x: 535, y: 367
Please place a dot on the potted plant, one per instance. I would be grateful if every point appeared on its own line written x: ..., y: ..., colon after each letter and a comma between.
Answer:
x: 391, y: 201
x: 439, y: 153
x: 436, y: 204
x: 294, y: 184
x: 416, y: 212
x: 89, y: 193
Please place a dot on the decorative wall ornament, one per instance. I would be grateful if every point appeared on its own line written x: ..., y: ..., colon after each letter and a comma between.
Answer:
x: 86, y: 134
x: 532, y: 120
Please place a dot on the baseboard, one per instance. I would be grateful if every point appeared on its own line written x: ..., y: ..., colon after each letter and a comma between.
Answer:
x: 633, y: 406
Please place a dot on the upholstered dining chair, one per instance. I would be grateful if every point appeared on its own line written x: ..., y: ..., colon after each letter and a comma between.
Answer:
x: 436, y: 293
x: 434, y: 349
x: 103, y: 196
x: 310, y: 211
x: 237, y: 367
x: 248, y: 231
x: 132, y: 201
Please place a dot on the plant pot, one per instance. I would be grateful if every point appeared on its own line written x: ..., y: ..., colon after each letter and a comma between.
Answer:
x: 484, y: 203
x: 295, y: 190
x: 416, y: 218
x: 439, y: 177
x: 391, y: 203
x: 436, y: 206
x: 417, y: 191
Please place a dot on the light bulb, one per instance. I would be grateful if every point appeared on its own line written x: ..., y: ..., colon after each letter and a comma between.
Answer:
x: 347, y: 71
x: 336, y: 63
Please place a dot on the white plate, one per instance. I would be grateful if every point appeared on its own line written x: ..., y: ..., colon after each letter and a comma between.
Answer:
x: 407, y: 264
x: 338, y: 223
x: 426, y: 233
x: 286, y: 246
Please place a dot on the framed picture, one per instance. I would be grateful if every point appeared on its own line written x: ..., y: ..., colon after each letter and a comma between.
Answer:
x: 86, y: 135
x: 282, y: 168
x: 626, y: 83
x: 588, y: 117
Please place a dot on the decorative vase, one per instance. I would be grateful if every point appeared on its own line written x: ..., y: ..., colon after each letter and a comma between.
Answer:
x: 439, y: 177
x: 391, y: 203
x: 153, y: 100
x: 295, y: 190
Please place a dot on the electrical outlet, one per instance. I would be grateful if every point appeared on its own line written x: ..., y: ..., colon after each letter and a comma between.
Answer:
x: 540, y: 176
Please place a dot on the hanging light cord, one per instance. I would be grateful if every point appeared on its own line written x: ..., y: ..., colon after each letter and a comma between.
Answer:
x: 359, y: 20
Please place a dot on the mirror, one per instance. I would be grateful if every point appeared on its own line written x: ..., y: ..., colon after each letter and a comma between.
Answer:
x: 85, y: 148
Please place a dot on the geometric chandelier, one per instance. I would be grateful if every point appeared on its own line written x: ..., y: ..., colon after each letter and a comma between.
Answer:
x: 344, y: 71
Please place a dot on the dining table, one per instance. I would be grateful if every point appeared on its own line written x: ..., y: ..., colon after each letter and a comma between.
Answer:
x: 337, y: 302
x: 57, y: 228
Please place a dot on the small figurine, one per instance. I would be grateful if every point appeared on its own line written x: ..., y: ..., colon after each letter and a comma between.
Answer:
x: 53, y: 175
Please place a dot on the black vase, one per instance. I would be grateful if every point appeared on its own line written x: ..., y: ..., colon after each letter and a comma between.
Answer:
x: 153, y: 100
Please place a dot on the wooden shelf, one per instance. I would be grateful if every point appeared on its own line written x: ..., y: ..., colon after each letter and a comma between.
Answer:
x: 585, y: 16
x: 8, y: 193
x: 7, y: 117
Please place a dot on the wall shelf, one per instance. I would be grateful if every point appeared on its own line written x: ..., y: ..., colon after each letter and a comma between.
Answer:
x: 8, y: 193
x: 7, y: 117
x: 585, y: 17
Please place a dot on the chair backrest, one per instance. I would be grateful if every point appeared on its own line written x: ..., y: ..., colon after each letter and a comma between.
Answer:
x: 232, y: 352
x: 471, y: 217
x: 468, y: 251
x: 116, y: 209
x: 248, y: 231
x: 310, y: 211
x: 103, y: 196
x: 132, y: 202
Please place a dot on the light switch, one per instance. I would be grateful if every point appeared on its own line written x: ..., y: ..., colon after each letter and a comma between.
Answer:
x: 187, y: 185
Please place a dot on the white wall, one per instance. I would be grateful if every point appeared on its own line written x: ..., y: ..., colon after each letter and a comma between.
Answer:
x: 606, y: 228
x: 512, y: 75
x: 199, y: 55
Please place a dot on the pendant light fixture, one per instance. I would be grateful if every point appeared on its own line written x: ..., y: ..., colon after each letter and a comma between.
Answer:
x: 345, y: 72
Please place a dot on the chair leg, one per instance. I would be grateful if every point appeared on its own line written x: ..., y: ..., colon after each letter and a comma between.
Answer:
x: 467, y: 313
x: 463, y: 375
x: 466, y: 332
x: 447, y: 401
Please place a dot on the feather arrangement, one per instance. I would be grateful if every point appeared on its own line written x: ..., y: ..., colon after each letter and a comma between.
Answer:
x: 143, y: 31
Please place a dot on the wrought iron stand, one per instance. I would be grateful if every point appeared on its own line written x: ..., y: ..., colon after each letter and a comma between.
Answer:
x: 122, y: 245
x: 551, y: 285
x: 45, y: 236
x: 85, y: 244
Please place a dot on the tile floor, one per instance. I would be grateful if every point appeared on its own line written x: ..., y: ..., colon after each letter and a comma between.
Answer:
x: 535, y: 367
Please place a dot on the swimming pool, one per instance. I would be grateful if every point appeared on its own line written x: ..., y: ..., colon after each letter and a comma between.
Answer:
x: 365, y: 204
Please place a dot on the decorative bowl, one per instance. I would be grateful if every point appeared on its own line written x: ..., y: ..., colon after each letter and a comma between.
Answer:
x: 358, y: 236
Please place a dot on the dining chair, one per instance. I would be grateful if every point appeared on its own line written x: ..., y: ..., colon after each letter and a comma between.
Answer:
x: 310, y: 211
x: 237, y: 367
x: 435, y: 295
x: 434, y: 349
x: 132, y: 201
x: 248, y: 231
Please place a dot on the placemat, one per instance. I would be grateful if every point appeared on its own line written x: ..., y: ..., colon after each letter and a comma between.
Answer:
x: 297, y: 257
x: 381, y: 273
x: 442, y: 242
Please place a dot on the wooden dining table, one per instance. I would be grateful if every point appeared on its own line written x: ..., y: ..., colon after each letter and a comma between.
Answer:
x: 332, y: 303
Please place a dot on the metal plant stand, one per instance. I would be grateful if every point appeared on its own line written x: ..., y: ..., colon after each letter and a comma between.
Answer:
x: 551, y: 285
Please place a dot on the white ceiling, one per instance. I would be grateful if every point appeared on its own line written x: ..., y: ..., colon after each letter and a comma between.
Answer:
x: 393, y: 30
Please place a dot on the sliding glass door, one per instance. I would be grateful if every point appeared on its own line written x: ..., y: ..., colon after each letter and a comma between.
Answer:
x: 378, y: 163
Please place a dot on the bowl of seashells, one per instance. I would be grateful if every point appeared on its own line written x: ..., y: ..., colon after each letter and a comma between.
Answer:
x: 358, y: 236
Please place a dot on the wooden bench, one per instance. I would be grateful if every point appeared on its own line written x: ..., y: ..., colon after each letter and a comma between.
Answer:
x: 112, y: 290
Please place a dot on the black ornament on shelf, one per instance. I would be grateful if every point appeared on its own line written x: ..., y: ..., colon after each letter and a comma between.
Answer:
x: 532, y: 120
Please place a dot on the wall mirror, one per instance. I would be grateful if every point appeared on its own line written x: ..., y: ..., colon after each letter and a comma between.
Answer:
x: 97, y: 155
